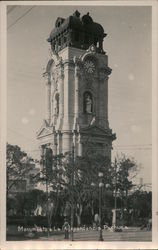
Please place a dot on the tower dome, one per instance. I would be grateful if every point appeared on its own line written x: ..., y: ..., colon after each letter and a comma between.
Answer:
x: 76, y: 32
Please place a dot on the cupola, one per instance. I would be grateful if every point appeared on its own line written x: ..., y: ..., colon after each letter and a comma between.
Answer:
x: 78, y: 32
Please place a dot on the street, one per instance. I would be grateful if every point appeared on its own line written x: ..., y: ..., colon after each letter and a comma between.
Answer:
x: 129, y: 235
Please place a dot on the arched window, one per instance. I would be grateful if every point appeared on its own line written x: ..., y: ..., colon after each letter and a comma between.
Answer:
x: 87, y: 103
x: 57, y: 104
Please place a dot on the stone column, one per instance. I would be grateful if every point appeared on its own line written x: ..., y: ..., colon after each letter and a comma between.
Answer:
x: 41, y: 148
x: 61, y: 93
x: 59, y: 142
x: 66, y: 141
x: 106, y: 100
x: 48, y: 100
x: 75, y: 143
x: 68, y: 95
x: 103, y: 100
x: 61, y: 98
x: 105, y: 84
x: 98, y: 99
x: 76, y: 96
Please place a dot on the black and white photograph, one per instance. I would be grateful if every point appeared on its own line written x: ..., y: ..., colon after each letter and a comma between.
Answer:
x: 80, y: 120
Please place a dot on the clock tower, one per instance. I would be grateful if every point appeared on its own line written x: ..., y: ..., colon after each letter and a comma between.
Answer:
x: 77, y: 89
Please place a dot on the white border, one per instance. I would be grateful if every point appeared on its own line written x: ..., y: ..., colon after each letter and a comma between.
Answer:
x: 80, y: 245
x: 3, y: 121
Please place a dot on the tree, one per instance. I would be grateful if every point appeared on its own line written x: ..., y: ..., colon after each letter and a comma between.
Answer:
x: 27, y: 202
x: 19, y: 166
x: 140, y: 205
x: 82, y: 195
x: 52, y: 175
x: 123, y: 172
x: 87, y: 186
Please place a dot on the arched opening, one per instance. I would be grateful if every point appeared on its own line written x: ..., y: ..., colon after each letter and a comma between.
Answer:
x: 87, y: 102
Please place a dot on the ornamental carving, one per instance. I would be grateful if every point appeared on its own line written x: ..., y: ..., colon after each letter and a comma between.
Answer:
x: 56, y: 58
x: 57, y: 73
x: 92, y: 48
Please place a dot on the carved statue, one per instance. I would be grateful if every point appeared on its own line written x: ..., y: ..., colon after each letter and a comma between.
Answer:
x: 88, y: 103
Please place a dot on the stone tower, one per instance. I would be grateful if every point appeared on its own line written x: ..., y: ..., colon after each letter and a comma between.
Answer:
x: 77, y: 89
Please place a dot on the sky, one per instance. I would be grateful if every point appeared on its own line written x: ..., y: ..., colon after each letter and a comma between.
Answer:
x: 128, y: 46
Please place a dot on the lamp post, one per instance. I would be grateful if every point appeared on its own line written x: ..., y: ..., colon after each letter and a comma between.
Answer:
x: 72, y: 193
x: 48, y: 162
x: 44, y: 169
x: 101, y: 184
x: 100, y: 175
x: 115, y: 195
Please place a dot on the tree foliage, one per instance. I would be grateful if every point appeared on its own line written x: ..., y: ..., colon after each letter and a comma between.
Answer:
x: 19, y: 165
x: 123, y: 172
x: 75, y: 181
x: 141, y: 204
x: 25, y: 203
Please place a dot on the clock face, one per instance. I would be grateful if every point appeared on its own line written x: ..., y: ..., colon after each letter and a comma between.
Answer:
x: 89, y: 66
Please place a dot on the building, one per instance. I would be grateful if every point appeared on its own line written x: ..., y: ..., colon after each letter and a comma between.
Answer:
x: 77, y: 89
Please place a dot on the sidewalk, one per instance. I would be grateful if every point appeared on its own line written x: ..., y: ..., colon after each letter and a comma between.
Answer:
x: 133, y: 235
